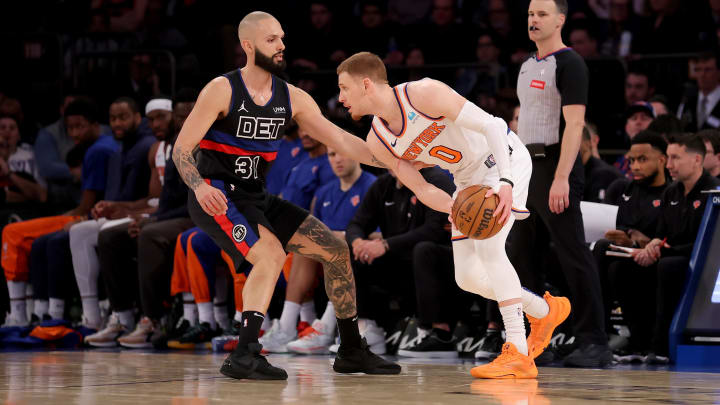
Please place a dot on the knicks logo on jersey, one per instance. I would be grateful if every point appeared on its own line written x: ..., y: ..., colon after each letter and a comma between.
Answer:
x: 259, y: 128
x: 422, y: 141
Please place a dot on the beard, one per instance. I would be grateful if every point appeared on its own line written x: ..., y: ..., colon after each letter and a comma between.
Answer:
x: 266, y: 63
x: 647, y: 181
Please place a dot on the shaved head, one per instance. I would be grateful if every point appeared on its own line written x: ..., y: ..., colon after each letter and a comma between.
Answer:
x: 248, y: 25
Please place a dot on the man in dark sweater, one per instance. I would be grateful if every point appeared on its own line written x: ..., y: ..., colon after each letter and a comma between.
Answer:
x: 598, y: 174
x: 638, y: 202
x: 385, y: 266
x: 661, y: 267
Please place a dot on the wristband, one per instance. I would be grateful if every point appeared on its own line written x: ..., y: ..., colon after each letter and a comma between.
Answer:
x: 507, y: 181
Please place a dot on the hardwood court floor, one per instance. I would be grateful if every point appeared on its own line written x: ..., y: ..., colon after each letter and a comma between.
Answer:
x: 139, y: 378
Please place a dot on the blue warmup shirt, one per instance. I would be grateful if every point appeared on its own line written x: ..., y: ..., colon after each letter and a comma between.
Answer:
x: 288, y: 156
x: 334, y: 207
x: 129, y: 170
x: 305, y: 179
x: 95, y: 163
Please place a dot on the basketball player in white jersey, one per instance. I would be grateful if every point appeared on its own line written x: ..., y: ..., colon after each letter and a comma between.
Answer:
x: 427, y: 122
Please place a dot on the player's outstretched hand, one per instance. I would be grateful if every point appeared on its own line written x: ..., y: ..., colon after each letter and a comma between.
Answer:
x: 505, y: 204
x: 212, y: 200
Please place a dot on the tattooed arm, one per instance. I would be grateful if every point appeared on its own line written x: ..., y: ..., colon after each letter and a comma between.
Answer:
x: 314, y: 240
x: 309, y: 117
x: 211, y: 104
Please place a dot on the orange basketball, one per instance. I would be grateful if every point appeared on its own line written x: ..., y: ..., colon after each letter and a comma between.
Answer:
x: 473, y: 213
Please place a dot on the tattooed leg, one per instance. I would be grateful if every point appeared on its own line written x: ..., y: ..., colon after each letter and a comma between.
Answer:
x: 314, y: 240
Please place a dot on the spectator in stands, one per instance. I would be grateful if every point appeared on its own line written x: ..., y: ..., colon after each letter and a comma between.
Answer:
x: 52, y: 146
x: 639, y: 116
x: 383, y: 267
x: 308, y: 175
x: 605, y: 90
x: 378, y: 35
x: 129, y: 188
x: 513, y: 122
x: 408, y: 12
x: 290, y: 153
x: 319, y: 45
x: 81, y: 121
x: 124, y: 16
x: 659, y: 104
x: 490, y: 75
x: 702, y: 111
x: 663, y: 262
x: 443, y: 28
x: 622, y: 28
x: 639, y: 208
x: 638, y: 87
x: 598, y: 174
x: 335, y: 204
x: 415, y: 61
x: 711, y: 164
x: 668, y: 29
x: 665, y: 125
x: 18, y: 170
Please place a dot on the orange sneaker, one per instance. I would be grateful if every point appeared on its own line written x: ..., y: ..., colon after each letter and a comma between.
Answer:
x: 509, y: 364
x: 541, y: 330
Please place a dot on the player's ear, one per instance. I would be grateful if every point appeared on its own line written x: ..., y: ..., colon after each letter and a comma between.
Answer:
x: 367, y: 83
x: 561, y: 20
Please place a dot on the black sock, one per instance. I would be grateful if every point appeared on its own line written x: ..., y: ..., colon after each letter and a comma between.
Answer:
x: 349, y: 332
x: 442, y: 334
x: 250, y: 327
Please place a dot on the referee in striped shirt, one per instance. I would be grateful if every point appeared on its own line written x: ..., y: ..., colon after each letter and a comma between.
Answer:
x: 552, y: 88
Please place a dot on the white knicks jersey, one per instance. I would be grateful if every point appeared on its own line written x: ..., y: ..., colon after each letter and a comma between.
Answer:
x: 438, y: 141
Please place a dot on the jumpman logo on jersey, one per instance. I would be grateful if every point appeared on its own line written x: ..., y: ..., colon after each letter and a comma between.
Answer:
x: 242, y: 107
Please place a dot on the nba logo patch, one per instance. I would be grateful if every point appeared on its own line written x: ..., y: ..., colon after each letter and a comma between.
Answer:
x: 295, y: 151
x: 490, y: 161
x: 696, y: 204
x: 413, y: 200
x: 656, y: 203
x: 355, y: 200
x: 538, y: 84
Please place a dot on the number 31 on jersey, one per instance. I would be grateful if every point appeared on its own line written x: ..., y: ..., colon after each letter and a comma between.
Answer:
x: 247, y: 167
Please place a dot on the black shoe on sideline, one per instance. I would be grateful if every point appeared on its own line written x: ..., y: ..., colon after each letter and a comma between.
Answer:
x: 431, y: 346
x: 362, y: 360
x: 589, y: 356
x: 246, y: 362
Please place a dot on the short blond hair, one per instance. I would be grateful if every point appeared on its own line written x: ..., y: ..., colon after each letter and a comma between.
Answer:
x: 364, y: 64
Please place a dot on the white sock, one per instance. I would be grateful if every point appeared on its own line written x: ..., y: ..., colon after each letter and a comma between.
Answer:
x: 328, y: 317
x: 515, y: 326
x: 534, y: 305
x: 190, y: 311
x: 91, y: 311
x: 221, y: 313
x: 205, y: 312
x: 29, y: 301
x: 40, y: 308
x: 127, y: 319
x: 16, y: 290
x: 267, y: 323
x: 289, y: 316
x: 238, y: 317
x: 57, y: 308
x: 307, y: 312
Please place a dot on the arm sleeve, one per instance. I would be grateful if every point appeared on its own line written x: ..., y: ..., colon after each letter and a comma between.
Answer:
x: 495, y: 130
x: 365, y: 221
x: 573, y: 79
x: 47, y: 158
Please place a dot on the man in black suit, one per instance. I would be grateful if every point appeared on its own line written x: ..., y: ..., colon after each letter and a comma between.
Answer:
x: 702, y: 110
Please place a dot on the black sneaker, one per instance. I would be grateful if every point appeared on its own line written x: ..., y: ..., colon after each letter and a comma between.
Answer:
x: 161, y: 337
x: 246, y: 362
x: 362, y: 360
x: 628, y: 356
x: 491, y: 345
x: 200, y: 334
x: 589, y: 356
x: 234, y: 329
x: 431, y: 345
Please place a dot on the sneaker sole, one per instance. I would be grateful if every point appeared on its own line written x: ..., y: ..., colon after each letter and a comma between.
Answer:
x: 485, y: 355
x: 309, y: 350
x: 181, y: 346
x: 102, y: 344
x: 145, y: 345
x: 428, y: 355
x: 354, y: 370
x: 227, y: 371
